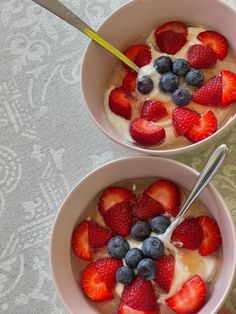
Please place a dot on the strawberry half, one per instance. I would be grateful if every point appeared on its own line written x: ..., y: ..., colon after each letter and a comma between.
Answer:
x: 107, y: 268
x: 215, y: 41
x: 98, y: 236
x: 209, y: 94
x: 139, y: 54
x: 211, y: 236
x: 119, y: 218
x: 188, y: 234
x: 165, y: 271
x: 129, y: 82
x: 119, y: 103
x: 80, y: 241
x: 170, y: 42
x: 229, y: 88
x: 201, y: 57
x: 190, y: 299
x: 167, y: 194
x: 175, y: 26
x: 133, y: 300
x: 146, y: 208
x: 183, y: 119
x: 146, y: 133
x: 207, y: 126
x: 113, y: 195
x: 153, y: 110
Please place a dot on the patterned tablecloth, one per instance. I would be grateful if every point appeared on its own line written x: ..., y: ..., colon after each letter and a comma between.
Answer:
x: 47, y: 144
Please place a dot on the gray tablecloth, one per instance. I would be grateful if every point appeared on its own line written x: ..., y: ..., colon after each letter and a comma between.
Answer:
x: 48, y: 142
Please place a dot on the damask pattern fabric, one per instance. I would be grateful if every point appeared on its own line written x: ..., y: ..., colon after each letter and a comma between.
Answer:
x: 48, y: 143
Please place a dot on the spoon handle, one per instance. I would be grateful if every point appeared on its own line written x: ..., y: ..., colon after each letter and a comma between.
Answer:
x: 57, y: 8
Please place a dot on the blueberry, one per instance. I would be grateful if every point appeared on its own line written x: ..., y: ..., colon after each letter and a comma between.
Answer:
x: 159, y: 224
x: 153, y: 247
x: 169, y: 82
x: 145, y: 85
x: 140, y: 230
x: 124, y: 275
x: 163, y: 64
x: 194, y: 77
x: 180, y: 67
x: 147, y: 269
x: 133, y: 257
x: 118, y: 247
x: 181, y: 97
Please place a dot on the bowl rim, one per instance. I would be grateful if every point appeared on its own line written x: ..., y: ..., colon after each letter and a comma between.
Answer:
x: 187, y: 168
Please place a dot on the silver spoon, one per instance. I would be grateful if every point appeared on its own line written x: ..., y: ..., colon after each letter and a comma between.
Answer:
x: 208, y: 172
x: 57, y: 8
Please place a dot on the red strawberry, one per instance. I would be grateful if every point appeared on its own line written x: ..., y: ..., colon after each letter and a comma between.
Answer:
x: 201, y: 57
x: 119, y: 103
x: 183, y: 119
x: 207, y: 126
x: 129, y: 82
x: 80, y: 241
x: 211, y: 236
x: 139, y: 54
x: 209, y: 94
x: 119, y: 218
x: 133, y: 300
x: 170, y: 42
x: 175, y: 26
x: 113, y: 195
x: 146, y: 133
x: 215, y: 41
x: 153, y: 110
x: 167, y: 194
x: 93, y: 286
x: 146, y: 208
x: 229, y: 88
x: 165, y: 271
x: 98, y: 236
x: 106, y: 268
x: 190, y: 299
x: 188, y: 234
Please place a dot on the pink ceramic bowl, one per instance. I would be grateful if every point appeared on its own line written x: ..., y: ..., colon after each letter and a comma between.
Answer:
x: 119, y: 170
x: 123, y: 28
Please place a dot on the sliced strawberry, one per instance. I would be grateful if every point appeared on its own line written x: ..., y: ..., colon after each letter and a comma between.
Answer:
x: 229, y: 88
x: 129, y: 82
x: 215, y: 41
x: 209, y: 94
x: 201, y: 57
x: 175, y: 26
x: 170, y: 42
x: 190, y: 299
x: 211, y: 236
x: 153, y: 110
x: 98, y: 236
x: 119, y: 103
x: 93, y: 286
x: 146, y: 208
x: 80, y: 241
x: 165, y: 271
x: 167, y: 194
x: 139, y: 54
x: 146, y: 133
x: 107, y: 268
x: 183, y: 119
x: 113, y: 195
x: 188, y: 234
x: 119, y: 218
x: 133, y: 300
x: 207, y: 126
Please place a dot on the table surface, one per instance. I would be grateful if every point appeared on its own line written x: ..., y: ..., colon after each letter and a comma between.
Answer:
x: 48, y: 144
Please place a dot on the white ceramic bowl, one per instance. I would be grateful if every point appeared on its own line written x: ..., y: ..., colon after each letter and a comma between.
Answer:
x: 123, y: 169
x: 123, y: 28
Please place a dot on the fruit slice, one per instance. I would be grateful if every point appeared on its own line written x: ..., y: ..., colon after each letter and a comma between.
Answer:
x: 80, y: 241
x: 215, y: 41
x: 175, y: 26
x: 207, y: 126
x: 146, y: 133
x: 211, y: 236
x: 167, y: 194
x: 107, y: 268
x: 209, y: 94
x: 98, y: 236
x: 183, y: 119
x: 146, y: 208
x: 113, y: 195
x: 165, y: 271
x: 139, y: 54
x: 190, y: 299
x: 129, y: 82
x: 119, y: 103
x: 153, y: 110
x: 170, y: 42
x: 201, y: 57
x: 229, y: 87
x: 188, y: 234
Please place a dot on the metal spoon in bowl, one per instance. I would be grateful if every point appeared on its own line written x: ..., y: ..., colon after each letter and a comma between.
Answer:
x: 57, y: 8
